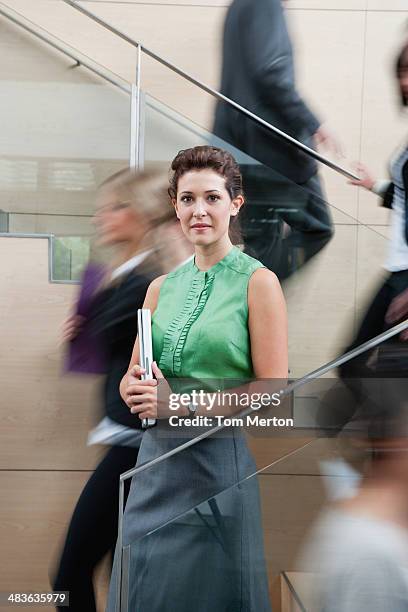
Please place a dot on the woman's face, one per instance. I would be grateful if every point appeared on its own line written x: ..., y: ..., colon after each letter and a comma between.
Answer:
x: 116, y: 221
x: 204, y: 206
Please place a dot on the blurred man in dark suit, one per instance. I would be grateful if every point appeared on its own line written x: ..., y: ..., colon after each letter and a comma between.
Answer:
x: 258, y: 73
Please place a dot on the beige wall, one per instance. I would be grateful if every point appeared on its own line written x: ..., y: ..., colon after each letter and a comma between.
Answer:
x: 44, y: 416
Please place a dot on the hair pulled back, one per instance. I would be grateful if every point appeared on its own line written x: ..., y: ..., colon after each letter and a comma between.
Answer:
x: 401, y: 65
x: 207, y: 158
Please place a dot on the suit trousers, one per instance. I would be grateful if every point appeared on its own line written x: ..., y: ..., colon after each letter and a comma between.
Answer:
x: 284, y: 224
x: 93, y: 529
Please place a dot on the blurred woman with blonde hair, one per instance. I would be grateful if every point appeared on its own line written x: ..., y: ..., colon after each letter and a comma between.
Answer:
x: 136, y: 223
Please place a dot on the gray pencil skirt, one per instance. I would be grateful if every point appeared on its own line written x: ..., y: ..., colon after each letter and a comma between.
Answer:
x: 192, y: 531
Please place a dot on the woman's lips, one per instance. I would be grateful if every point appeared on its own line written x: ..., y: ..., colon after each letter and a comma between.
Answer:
x: 200, y: 226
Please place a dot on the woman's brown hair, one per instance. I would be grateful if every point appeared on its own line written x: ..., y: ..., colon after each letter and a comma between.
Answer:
x: 206, y: 157
x: 401, y: 65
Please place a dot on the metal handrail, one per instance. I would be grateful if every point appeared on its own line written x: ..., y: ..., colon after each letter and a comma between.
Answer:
x: 48, y: 39
x: 213, y: 92
x: 331, y: 365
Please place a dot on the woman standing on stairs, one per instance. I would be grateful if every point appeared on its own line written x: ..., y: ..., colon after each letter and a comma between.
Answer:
x: 220, y: 317
x: 133, y: 219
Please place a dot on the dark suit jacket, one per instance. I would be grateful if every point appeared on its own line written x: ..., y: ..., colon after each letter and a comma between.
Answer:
x: 258, y: 73
x: 389, y: 196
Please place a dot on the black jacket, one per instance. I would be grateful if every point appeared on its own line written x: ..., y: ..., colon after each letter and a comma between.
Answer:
x: 389, y: 196
x: 114, y: 322
x: 258, y: 73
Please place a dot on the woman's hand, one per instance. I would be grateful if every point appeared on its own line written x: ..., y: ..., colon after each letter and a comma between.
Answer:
x: 326, y: 139
x: 366, y: 180
x: 141, y: 396
x: 71, y: 327
x: 397, y: 311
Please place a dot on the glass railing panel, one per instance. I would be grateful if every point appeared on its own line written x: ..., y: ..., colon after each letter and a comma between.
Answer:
x: 209, y: 558
x: 224, y: 553
x: 67, y: 130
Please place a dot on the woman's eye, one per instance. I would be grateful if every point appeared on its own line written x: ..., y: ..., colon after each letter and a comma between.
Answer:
x: 186, y: 199
x: 213, y: 198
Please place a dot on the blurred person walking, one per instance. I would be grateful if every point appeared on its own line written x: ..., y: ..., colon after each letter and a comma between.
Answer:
x: 134, y: 219
x: 258, y: 73
x: 387, y: 307
x: 356, y: 554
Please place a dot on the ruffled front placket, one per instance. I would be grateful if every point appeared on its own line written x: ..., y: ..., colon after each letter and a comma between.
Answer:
x: 177, y: 331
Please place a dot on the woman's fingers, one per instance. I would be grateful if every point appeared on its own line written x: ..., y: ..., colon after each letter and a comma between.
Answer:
x: 141, y: 395
x: 139, y: 387
x: 143, y: 405
x: 398, y: 308
x: 136, y: 371
x: 136, y: 408
x: 139, y: 399
x: 157, y: 371
x: 71, y: 327
x: 398, y: 311
x: 365, y: 180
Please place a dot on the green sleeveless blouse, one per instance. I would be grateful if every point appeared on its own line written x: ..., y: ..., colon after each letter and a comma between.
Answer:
x: 200, y: 325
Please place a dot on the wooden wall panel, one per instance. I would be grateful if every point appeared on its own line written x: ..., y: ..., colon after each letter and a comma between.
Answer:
x: 45, y: 415
x: 34, y: 512
x: 290, y: 504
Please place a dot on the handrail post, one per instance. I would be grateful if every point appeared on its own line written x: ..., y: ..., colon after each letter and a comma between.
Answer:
x: 119, y: 547
x: 135, y: 158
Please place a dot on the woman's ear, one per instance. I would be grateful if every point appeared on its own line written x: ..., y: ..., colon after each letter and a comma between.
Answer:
x: 174, y: 202
x: 236, y: 205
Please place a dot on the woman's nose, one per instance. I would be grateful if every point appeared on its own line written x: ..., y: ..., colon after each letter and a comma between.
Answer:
x: 199, y: 208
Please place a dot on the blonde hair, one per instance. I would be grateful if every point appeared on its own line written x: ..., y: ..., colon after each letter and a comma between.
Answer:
x: 146, y: 192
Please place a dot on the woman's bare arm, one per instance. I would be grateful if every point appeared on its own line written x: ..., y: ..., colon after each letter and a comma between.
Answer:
x: 268, y: 327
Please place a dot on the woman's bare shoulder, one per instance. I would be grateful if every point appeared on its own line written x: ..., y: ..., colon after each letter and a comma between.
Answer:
x: 156, y: 284
x: 153, y: 292
x: 264, y: 280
